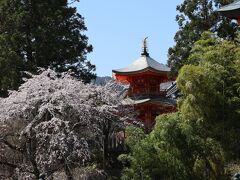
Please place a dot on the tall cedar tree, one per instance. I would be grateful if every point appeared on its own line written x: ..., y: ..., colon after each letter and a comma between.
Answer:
x: 40, y: 33
x: 197, y: 16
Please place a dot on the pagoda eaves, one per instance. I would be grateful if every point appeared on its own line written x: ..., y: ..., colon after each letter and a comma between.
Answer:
x: 160, y: 100
x: 231, y: 10
x: 143, y: 64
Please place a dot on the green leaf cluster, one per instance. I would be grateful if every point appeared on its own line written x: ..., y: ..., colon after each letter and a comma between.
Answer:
x: 210, y: 86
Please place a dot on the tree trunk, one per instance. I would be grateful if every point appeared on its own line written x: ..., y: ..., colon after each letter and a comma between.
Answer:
x: 31, y: 156
x: 68, y: 171
x: 105, y: 143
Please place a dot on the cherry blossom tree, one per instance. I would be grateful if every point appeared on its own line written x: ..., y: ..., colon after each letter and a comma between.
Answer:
x: 55, y: 122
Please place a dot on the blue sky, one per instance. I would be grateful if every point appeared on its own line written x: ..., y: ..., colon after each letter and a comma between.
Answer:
x: 116, y: 30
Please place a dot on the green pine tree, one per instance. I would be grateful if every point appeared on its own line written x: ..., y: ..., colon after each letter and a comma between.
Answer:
x: 44, y: 34
x: 195, y: 17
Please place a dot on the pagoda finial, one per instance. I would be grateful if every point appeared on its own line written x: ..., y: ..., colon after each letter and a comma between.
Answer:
x: 145, y: 48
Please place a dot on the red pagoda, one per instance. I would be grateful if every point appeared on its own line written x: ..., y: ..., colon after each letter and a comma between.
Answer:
x: 146, y: 78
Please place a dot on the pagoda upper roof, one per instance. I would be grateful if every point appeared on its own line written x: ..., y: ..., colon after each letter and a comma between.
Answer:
x: 144, y: 63
x: 231, y: 10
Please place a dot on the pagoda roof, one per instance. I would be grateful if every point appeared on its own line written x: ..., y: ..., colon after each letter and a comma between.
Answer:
x: 145, y: 62
x: 160, y: 100
x: 231, y: 10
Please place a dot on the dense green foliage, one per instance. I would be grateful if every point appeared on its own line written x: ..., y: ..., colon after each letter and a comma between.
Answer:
x: 210, y: 86
x: 204, y: 135
x: 41, y: 33
x: 195, y: 17
x: 10, y: 65
x: 173, y: 151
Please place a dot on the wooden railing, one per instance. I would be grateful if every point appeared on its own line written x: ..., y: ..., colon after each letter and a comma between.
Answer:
x: 146, y: 90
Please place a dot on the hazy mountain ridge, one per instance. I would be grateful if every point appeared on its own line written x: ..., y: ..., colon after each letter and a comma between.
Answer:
x: 101, y: 81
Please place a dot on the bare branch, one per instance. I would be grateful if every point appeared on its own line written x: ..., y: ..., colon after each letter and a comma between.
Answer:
x: 8, y: 144
x: 8, y: 164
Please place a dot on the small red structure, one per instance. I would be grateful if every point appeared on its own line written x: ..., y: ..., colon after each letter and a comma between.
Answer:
x: 146, y: 77
x: 231, y: 11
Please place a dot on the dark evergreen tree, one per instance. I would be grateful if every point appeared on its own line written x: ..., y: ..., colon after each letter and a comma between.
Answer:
x: 40, y: 33
x: 10, y: 65
x: 195, y: 17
